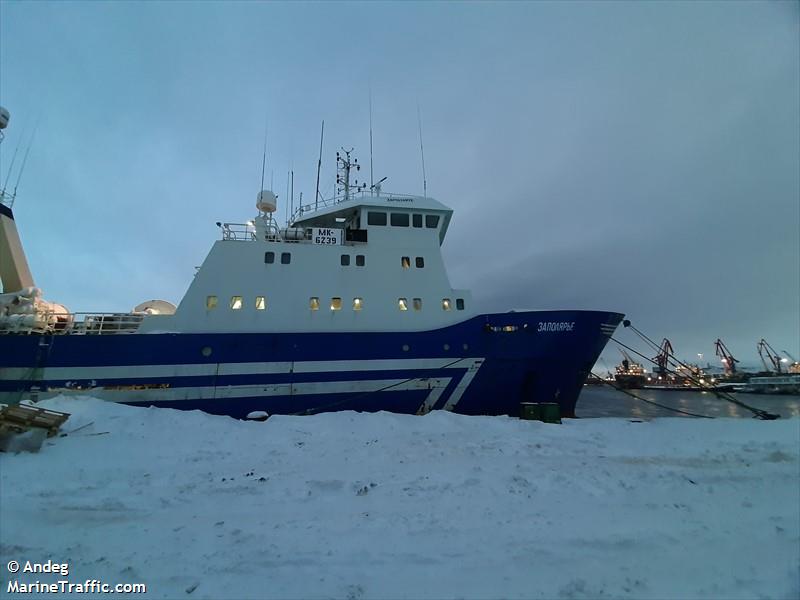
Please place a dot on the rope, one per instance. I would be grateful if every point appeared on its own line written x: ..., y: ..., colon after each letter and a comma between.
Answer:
x: 632, y: 395
x: 757, y: 412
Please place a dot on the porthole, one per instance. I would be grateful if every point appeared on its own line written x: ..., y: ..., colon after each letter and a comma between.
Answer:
x: 465, y: 346
x: 360, y: 260
x: 206, y: 351
x: 345, y: 260
x: 420, y: 261
x: 446, y: 304
x: 286, y: 258
x: 313, y: 303
x: 211, y: 302
x: 261, y: 303
x: 402, y: 304
x: 336, y: 303
x: 269, y: 257
x: 405, y: 348
x: 236, y: 303
x: 446, y: 347
x: 459, y: 304
x: 405, y: 262
x: 358, y: 303
x: 417, y: 302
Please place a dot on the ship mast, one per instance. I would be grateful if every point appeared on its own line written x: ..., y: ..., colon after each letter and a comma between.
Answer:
x: 343, y: 168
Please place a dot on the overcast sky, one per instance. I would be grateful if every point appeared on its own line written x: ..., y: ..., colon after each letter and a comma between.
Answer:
x: 639, y: 157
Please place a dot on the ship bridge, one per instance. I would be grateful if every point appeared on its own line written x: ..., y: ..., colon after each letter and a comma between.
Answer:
x: 365, y: 213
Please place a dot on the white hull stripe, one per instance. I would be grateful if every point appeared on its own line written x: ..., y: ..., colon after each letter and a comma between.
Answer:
x: 251, y: 368
x: 435, y: 385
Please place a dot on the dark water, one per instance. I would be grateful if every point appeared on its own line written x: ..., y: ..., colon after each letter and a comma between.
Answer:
x: 604, y: 401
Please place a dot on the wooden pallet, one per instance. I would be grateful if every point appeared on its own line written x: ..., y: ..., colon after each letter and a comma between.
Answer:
x: 21, y: 418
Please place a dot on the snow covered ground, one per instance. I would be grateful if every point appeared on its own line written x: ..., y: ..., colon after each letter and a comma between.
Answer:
x: 348, y: 505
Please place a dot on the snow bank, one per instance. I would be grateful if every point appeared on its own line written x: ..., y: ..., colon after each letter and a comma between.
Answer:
x: 349, y: 505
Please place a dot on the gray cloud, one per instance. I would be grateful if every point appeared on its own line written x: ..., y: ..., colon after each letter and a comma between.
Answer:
x: 635, y: 157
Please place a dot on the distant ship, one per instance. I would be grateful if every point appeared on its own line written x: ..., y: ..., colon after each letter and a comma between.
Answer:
x: 629, y: 375
x: 347, y: 307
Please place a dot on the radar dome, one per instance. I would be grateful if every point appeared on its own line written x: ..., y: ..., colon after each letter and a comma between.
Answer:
x: 156, y: 307
x: 266, y: 201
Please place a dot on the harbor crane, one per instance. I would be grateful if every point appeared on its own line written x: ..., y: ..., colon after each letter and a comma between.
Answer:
x: 794, y: 365
x: 767, y: 353
x: 665, y: 352
x: 728, y: 362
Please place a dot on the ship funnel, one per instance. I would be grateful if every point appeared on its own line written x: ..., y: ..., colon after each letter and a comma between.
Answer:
x: 266, y: 201
x: 15, y: 274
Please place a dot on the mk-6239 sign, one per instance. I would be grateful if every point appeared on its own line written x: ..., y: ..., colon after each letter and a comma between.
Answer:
x: 326, y: 236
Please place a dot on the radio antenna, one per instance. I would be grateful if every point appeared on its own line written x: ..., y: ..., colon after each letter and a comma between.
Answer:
x: 13, y: 160
x: 291, y: 201
x: 264, y: 158
x: 287, y: 196
x: 319, y: 164
x: 422, y: 152
x: 371, y: 186
x: 24, y: 161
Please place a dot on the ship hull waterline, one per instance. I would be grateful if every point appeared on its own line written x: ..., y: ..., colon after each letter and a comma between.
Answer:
x: 486, y: 365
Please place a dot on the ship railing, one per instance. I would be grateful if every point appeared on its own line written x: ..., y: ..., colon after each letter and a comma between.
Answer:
x: 240, y: 232
x: 60, y: 323
x: 312, y: 207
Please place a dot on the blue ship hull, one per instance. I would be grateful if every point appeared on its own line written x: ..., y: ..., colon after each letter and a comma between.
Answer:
x: 486, y: 365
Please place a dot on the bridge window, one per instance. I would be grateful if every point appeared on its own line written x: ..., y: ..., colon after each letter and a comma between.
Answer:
x: 405, y: 262
x: 360, y: 260
x: 336, y: 304
x: 376, y: 218
x: 402, y: 304
x: 446, y: 304
x: 345, y: 259
x: 416, y: 220
x: 399, y: 220
x: 261, y: 303
x: 211, y: 302
x: 420, y: 261
x: 358, y: 303
x: 417, y: 303
x: 236, y: 302
x: 313, y: 303
x: 459, y: 304
x: 269, y: 257
x: 286, y: 258
x: 431, y: 221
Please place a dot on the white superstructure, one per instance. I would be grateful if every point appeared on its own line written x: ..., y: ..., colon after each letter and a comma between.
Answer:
x: 365, y: 262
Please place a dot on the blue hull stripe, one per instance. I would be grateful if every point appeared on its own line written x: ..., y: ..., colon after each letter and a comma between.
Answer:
x: 514, y: 357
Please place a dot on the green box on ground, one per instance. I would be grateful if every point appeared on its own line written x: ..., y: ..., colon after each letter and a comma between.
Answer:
x: 548, y: 412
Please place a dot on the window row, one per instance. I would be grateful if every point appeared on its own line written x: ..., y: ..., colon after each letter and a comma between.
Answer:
x: 419, y: 261
x: 237, y: 303
x: 360, y: 260
x: 402, y: 219
x: 286, y: 258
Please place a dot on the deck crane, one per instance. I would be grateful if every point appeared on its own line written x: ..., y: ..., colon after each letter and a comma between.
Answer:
x: 728, y: 362
x: 764, y: 348
x: 665, y: 352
